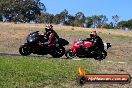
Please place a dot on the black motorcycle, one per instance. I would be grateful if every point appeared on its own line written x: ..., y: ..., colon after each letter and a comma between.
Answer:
x: 33, y: 46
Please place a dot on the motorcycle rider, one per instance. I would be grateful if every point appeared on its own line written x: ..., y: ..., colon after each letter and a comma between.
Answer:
x: 97, y: 43
x: 50, y: 36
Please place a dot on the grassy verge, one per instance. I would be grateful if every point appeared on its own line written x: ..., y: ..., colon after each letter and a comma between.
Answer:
x: 35, y: 72
x: 84, y: 34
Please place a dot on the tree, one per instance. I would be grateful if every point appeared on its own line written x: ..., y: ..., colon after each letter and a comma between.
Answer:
x: 102, y: 20
x: 99, y: 20
x: 107, y: 26
x: 71, y: 20
x: 116, y: 19
x: 1, y: 18
x: 79, y: 19
x: 21, y: 10
x: 56, y: 19
x: 90, y: 21
x: 130, y: 24
x: 95, y: 19
x: 64, y: 16
x: 45, y: 18
x: 123, y: 24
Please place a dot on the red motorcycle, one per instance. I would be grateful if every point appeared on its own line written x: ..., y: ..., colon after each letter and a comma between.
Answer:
x: 80, y: 49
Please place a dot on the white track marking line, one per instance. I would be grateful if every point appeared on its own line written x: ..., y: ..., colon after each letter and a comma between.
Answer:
x: 120, y: 62
x: 109, y: 61
x: 76, y: 59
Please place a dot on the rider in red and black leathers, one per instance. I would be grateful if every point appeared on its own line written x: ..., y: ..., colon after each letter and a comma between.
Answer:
x: 50, y: 36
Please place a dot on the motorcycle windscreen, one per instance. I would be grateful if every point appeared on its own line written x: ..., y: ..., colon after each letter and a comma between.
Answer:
x: 32, y: 37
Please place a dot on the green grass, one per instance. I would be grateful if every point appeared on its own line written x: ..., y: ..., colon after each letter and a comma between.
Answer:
x: 84, y: 34
x: 115, y: 37
x: 33, y: 72
x: 25, y: 72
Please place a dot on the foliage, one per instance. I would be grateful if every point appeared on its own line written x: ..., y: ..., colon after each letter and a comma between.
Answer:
x: 27, y: 11
x: 21, y: 10
x: 116, y: 19
x: 130, y: 24
x: 125, y: 24
x: 107, y: 26
x: 99, y: 21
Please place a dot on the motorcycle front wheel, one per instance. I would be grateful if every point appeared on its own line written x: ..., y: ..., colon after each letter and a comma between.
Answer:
x: 70, y: 54
x: 25, y: 50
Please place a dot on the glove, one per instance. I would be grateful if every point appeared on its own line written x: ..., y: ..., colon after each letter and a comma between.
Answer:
x: 43, y: 44
x: 46, y: 43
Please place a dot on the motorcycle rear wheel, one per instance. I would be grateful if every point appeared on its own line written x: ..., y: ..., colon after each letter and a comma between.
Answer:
x: 58, y: 52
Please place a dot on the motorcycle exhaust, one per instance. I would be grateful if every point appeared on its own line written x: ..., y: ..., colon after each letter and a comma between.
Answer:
x: 107, y: 46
